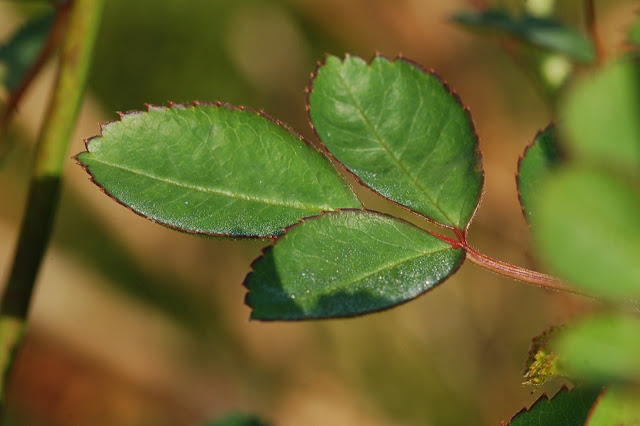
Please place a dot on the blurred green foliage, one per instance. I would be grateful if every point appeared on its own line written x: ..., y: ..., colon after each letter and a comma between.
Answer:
x: 242, y: 52
x: 18, y: 54
x: 259, y: 53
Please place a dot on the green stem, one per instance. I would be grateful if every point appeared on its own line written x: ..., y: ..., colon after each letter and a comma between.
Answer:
x: 50, y: 155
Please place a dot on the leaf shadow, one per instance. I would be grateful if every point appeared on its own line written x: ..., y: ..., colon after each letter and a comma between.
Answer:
x: 270, y: 300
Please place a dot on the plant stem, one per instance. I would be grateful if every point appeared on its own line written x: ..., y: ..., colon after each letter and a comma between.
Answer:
x: 503, y: 268
x: 44, y: 188
x: 517, y: 272
x: 590, y: 15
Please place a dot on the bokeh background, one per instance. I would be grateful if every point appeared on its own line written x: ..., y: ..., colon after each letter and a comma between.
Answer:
x: 135, y: 324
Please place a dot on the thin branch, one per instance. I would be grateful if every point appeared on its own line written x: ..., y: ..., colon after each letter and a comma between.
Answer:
x: 44, y: 188
x: 517, y: 272
x: 592, y: 27
x: 503, y: 268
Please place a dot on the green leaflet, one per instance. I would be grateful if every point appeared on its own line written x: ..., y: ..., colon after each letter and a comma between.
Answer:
x: 540, y: 32
x: 588, y: 231
x: 18, y: 53
x: 538, y: 160
x: 344, y: 264
x: 604, y: 348
x: 401, y: 132
x: 566, y: 408
x: 602, y: 116
x: 618, y: 405
x: 214, y: 170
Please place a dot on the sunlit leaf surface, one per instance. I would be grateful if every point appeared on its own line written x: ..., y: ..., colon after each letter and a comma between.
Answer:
x: 402, y: 132
x: 214, y: 170
x: 345, y: 264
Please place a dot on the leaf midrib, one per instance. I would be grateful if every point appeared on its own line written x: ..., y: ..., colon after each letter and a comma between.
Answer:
x: 393, y: 157
x: 384, y: 268
x: 279, y: 203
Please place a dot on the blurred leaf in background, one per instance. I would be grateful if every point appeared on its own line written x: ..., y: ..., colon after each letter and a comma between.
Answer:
x: 601, y: 116
x: 604, y: 349
x: 544, y: 33
x: 425, y: 363
x: 19, y: 52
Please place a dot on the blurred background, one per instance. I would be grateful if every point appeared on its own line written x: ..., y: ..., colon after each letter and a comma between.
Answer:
x: 135, y: 324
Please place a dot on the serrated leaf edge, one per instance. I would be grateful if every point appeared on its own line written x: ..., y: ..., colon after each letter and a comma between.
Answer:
x: 275, y: 240
x: 217, y: 104
x: 544, y: 397
x: 451, y: 91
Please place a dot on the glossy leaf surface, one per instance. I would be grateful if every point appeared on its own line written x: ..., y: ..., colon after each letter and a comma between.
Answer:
x: 541, y: 32
x: 344, y: 264
x: 618, y: 405
x: 588, y: 231
x: 538, y: 160
x: 402, y: 132
x: 602, y: 348
x: 566, y: 408
x: 602, y: 116
x: 214, y: 170
x: 20, y: 51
